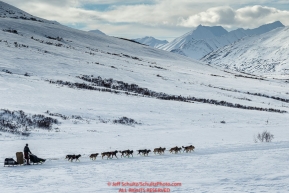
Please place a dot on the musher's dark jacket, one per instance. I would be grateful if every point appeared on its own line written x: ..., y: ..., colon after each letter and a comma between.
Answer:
x: 26, y: 149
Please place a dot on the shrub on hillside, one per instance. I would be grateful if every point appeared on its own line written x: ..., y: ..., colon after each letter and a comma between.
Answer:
x: 11, y: 31
x: 126, y: 121
x: 264, y: 137
x: 19, y: 122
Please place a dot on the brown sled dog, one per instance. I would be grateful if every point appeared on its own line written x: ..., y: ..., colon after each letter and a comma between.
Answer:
x: 105, y: 154
x: 189, y: 148
x: 109, y: 154
x: 93, y: 156
x: 113, y: 153
x: 159, y: 150
x: 175, y: 149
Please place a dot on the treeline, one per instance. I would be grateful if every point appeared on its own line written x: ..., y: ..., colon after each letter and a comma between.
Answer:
x: 251, y: 93
x: 60, y: 39
x: 47, y: 42
x: 120, y: 87
x: 114, y: 54
x: 257, y: 78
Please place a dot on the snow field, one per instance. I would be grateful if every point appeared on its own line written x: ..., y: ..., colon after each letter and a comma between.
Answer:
x: 226, y: 159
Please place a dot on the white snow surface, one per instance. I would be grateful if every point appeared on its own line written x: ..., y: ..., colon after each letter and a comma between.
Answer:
x: 204, y: 39
x: 151, y: 41
x: 226, y: 158
x: 264, y: 54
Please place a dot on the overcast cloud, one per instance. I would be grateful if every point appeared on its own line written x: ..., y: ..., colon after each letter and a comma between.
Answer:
x: 163, y: 19
x: 248, y: 17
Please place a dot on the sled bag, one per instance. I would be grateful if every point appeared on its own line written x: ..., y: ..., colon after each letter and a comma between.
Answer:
x: 19, y: 156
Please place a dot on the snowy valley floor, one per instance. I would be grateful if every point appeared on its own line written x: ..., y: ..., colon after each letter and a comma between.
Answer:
x: 226, y: 159
x: 243, y: 168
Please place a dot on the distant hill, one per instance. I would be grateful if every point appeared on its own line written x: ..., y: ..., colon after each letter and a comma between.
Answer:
x: 151, y: 41
x: 97, y: 32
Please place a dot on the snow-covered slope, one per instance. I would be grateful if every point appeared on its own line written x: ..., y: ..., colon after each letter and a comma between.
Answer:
x: 151, y: 41
x: 203, y: 40
x: 8, y: 11
x: 267, y: 53
x: 97, y: 31
x: 77, y: 92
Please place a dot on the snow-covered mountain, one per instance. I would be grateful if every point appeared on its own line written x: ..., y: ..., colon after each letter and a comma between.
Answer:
x: 65, y: 91
x: 151, y: 41
x: 203, y: 40
x: 267, y: 53
x: 97, y: 32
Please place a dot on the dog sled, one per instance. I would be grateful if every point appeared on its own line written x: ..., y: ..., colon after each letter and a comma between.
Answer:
x: 21, y: 161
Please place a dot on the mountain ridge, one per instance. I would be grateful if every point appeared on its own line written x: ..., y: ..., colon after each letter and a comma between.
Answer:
x: 266, y: 53
x: 97, y: 31
x: 215, y: 36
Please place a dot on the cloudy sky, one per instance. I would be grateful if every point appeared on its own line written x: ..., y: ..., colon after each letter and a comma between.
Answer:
x: 162, y: 19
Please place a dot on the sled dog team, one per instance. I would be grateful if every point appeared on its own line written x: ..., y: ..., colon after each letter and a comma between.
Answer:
x: 128, y: 153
